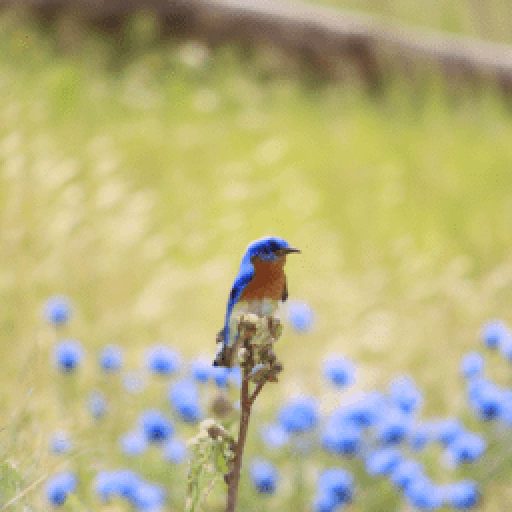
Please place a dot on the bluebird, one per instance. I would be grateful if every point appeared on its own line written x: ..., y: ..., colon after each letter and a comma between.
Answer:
x: 258, y: 287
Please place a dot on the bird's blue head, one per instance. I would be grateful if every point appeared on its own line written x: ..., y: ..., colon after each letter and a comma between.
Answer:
x: 269, y: 249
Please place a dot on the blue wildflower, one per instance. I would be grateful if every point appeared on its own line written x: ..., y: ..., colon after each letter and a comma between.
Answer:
x: 325, y: 502
x: 506, y: 407
x: 122, y: 483
x: 486, y: 398
x: 235, y: 376
x: 111, y: 358
x: 97, y: 404
x: 57, y: 310
x: 339, y: 371
x: 148, y: 497
x: 134, y: 382
x: 466, y: 448
x: 220, y: 376
x: 60, y: 443
x: 184, y: 398
x: 494, y: 333
x: 393, y: 427
x: 472, y: 365
x: 424, y: 495
x: 446, y: 431
x: 506, y: 347
x: 405, y: 394
x: 405, y: 472
x: 133, y: 443
x: 382, y: 461
x: 127, y: 482
x: 156, y: 426
x: 342, y: 439
x: 59, y: 486
x: 162, y: 360
x: 201, y: 370
x: 420, y: 435
x: 274, y: 436
x: 489, y: 406
x: 299, y: 415
x: 128, y: 485
x: 462, y: 495
x: 263, y: 476
x: 476, y: 387
x: 105, y: 485
x: 338, y: 483
x: 175, y: 451
x: 366, y: 410
x: 300, y: 316
x: 68, y: 355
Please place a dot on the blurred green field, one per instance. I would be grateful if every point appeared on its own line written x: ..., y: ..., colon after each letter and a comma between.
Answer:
x: 132, y: 184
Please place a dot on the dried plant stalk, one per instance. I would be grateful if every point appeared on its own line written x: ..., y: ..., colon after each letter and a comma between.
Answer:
x: 256, y: 336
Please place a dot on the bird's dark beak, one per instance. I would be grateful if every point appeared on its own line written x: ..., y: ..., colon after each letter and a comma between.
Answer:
x: 290, y: 250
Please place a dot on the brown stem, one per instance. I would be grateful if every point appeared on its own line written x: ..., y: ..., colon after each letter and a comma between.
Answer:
x: 245, y: 413
x: 256, y: 391
x: 247, y: 399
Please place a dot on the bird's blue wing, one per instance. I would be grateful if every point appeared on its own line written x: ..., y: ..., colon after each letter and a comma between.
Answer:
x: 243, y: 278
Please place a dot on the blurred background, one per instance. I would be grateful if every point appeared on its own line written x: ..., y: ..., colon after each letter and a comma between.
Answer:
x: 142, y: 148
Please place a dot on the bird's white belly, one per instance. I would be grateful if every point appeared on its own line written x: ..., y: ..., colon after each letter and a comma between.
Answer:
x: 258, y: 307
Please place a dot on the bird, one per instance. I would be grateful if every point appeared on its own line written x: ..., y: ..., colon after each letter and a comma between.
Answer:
x: 258, y: 287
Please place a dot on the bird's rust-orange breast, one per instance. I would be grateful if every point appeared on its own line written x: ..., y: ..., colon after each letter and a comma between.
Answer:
x: 268, y: 281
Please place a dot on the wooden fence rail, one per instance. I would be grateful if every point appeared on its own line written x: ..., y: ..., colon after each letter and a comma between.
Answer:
x: 329, y: 39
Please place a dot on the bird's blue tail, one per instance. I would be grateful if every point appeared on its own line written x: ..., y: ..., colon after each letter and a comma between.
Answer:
x: 224, y: 355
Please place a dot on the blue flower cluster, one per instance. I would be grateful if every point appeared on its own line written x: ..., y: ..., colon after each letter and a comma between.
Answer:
x: 57, y: 310
x: 97, y: 404
x: 202, y: 371
x: 299, y: 415
x: 60, y: 443
x: 163, y: 360
x: 154, y: 427
x: 495, y: 334
x: 111, y: 359
x: 488, y: 400
x: 264, y: 476
x: 339, y: 371
x: 134, y: 382
x: 133, y: 443
x: 68, y: 355
x: 382, y: 430
x: 128, y: 485
x: 175, y: 451
x: 59, y: 486
x: 274, y: 436
x: 300, y: 316
x: 335, y: 488
x: 184, y: 398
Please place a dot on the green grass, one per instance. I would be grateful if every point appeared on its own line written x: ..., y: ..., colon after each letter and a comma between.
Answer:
x: 133, y: 184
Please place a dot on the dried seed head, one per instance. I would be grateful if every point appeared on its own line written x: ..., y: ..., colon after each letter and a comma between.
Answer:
x: 221, y: 407
x: 243, y: 354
